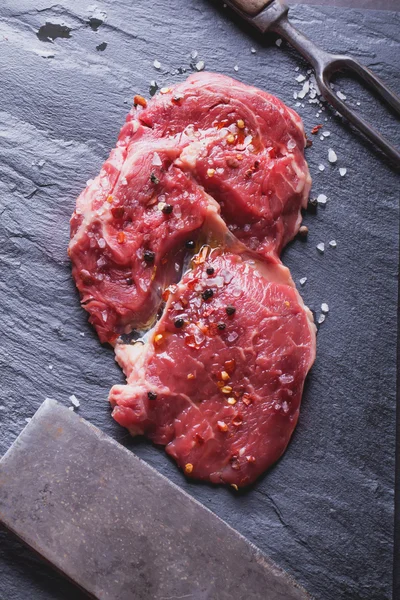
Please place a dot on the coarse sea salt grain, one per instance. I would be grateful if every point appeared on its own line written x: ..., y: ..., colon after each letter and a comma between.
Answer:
x: 28, y: 419
x: 297, y: 69
x: 321, y: 247
x: 322, y: 199
x: 303, y: 281
x: 157, y: 64
x: 253, y: 50
x: 321, y: 319
x: 74, y: 400
x: 200, y: 65
x: 82, y: 334
x: 156, y: 160
x: 278, y: 42
x: 300, y: 78
x: 342, y: 171
x: 333, y: 243
x: 324, y: 307
x: 236, y: 68
x: 340, y: 95
x: 194, y: 54
x: 326, y: 133
x: 321, y: 167
x: 332, y: 156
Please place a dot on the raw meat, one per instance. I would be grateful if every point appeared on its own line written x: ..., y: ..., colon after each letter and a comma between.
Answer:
x: 217, y: 166
x: 241, y: 146
x: 220, y: 380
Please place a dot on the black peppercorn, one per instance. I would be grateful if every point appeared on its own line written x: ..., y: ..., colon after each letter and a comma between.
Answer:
x: 167, y: 209
x: 154, y: 179
x: 207, y: 294
x: 221, y: 326
x: 151, y: 395
x: 190, y: 244
x: 149, y: 256
x: 179, y: 323
x: 129, y: 281
x: 210, y: 271
x: 230, y: 310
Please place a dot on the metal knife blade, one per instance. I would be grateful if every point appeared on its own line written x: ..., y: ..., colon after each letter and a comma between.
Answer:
x: 119, y: 529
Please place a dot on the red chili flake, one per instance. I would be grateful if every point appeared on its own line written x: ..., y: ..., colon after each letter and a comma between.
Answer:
x: 237, y: 421
x: 165, y: 295
x: 247, y: 399
x: 250, y: 459
x: 315, y: 129
x: 87, y: 278
x: 221, y: 124
x: 229, y: 365
x: 199, y: 439
x: 256, y: 164
x: 248, y: 173
x: 121, y: 237
x: 139, y: 100
x: 308, y: 143
x: 190, y: 341
x: 118, y: 212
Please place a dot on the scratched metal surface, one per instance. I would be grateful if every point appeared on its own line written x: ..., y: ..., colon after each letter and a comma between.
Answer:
x: 325, y: 512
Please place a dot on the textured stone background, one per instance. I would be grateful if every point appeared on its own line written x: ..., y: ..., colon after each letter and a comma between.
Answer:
x: 325, y: 511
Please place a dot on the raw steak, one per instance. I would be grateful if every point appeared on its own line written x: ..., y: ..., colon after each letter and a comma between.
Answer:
x: 220, y: 380
x: 210, y: 134
x: 220, y: 377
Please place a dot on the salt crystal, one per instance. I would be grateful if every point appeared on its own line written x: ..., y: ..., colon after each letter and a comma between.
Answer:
x: 82, y: 334
x: 358, y: 103
x: 253, y: 50
x: 194, y: 54
x: 295, y: 95
x: 156, y: 160
x: 297, y: 69
x: 278, y: 42
x: 74, y: 400
x: 41, y: 163
x: 303, y: 281
x: 89, y: 182
x: 200, y: 65
x: 322, y: 199
x: 305, y: 90
x: 321, y: 247
x: 342, y: 171
x: 285, y: 378
x: 333, y: 243
x: 300, y: 78
x: 71, y: 408
x: 101, y: 242
x: 332, y: 157
x: 324, y: 307
x: 232, y: 336
x: 291, y: 144
x: 321, y: 319
x: 341, y: 96
x: 321, y: 167
x: 157, y: 64
x: 50, y: 367
x: 236, y: 68
x: 28, y: 419
x: 321, y: 137
x: 297, y: 104
x: 326, y: 133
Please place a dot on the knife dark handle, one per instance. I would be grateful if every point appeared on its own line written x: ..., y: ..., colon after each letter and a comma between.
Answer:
x: 249, y: 7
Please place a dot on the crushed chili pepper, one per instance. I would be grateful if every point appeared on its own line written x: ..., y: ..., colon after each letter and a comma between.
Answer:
x: 232, y: 162
x: 250, y: 459
x: 118, y: 212
x: 237, y: 421
x: 86, y: 277
x: 230, y: 365
x: 315, y: 129
x: 199, y: 439
x: 121, y: 237
x: 139, y: 101
x: 158, y: 339
x: 188, y: 468
x: 240, y: 123
x: 110, y: 199
x: 246, y: 399
x: 222, y: 426
x: 232, y: 401
x: 230, y: 138
x: 249, y: 173
x: 308, y: 143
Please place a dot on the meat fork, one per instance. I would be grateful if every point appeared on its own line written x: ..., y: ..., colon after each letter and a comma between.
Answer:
x: 272, y: 15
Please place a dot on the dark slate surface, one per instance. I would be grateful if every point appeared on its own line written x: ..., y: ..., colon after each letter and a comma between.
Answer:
x: 325, y: 512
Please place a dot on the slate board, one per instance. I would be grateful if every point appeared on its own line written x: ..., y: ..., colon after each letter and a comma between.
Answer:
x: 325, y: 511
